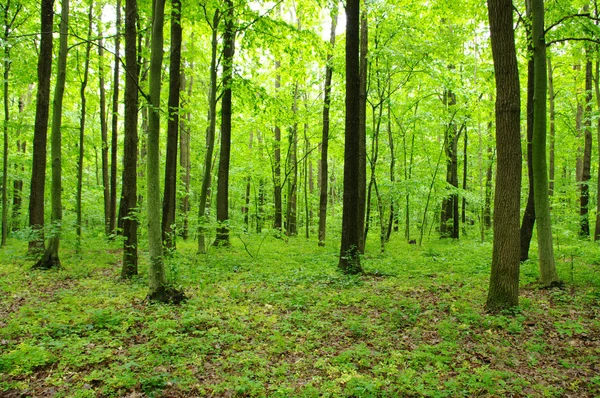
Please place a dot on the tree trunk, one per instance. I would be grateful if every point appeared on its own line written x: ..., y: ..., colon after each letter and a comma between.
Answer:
x: 548, y: 273
x: 362, y: 128
x: 324, y: 168
x: 307, y: 210
x: 292, y: 174
x: 449, y: 213
x: 184, y: 159
x: 351, y: 224
x: 552, y: 115
x: 170, y: 192
x: 129, y: 190
x: 584, y: 198
x: 82, y: 117
x: 222, y: 237
x: 278, y: 220
x: 503, y: 290
x: 392, y: 219
x: 463, y: 215
x: 597, y: 89
x: 114, y: 126
x: 104, y: 136
x: 210, y: 137
x: 156, y: 272
x: 526, y: 231
x: 40, y: 133
x: 50, y: 259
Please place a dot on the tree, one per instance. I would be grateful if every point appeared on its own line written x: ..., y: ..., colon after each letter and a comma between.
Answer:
x: 351, y: 225
x: 170, y: 193
x: 104, y: 135
x: 50, y: 259
x: 114, y: 124
x: 325, y: 137
x: 40, y: 133
x: 129, y: 191
x: 584, y: 197
x: 362, y: 126
x: 222, y: 237
x: 547, y: 266
x: 504, y: 280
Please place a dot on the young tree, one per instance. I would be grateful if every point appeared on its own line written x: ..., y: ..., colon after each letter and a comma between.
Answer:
x: 129, y: 191
x: 363, y: 66
x: 40, y: 132
x: 504, y: 280
x: 170, y: 193
x: 325, y: 138
x: 584, y: 197
x: 115, y: 123
x: 222, y: 237
x: 50, y: 259
x: 548, y: 273
x: 351, y: 225
x: 104, y: 135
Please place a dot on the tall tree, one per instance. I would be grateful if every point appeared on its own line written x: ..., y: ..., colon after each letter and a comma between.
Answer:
x: 185, y: 156
x: 292, y: 172
x: 278, y: 219
x: 449, y: 214
x: 50, y: 259
x: 104, y: 135
x: 156, y: 273
x: 526, y: 231
x: 40, y: 132
x: 130, y: 147
x: 115, y: 123
x: 362, y: 126
x: 584, y: 197
x: 170, y: 193
x: 325, y: 135
x: 210, y: 133
x: 222, y: 237
x: 504, y: 280
x: 548, y: 273
x: 82, y: 117
x: 351, y: 225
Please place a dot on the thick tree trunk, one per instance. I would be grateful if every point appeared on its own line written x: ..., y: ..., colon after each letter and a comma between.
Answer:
x: 50, y: 259
x: 449, y: 213
x: 40, y: 136
x: 548, y: 273
x: 222, y: 237
x: 504, y: 280
x: 129, y: 190
x: 210, y: 137
x: 584, y: 198
x: 170, y: 192
x: 324, y: 168
x: 526, y: 231
x: 114, y: 125
x: 351, y: 224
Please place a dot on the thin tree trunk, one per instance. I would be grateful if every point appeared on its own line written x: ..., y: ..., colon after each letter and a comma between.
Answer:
x: 552, y: 136
x: 114, y: 126
x: 548, y: 273
x: 82, y: 117
x: 170, y: 192
x: 307, y: 211
x: 184, y: 158
x: 597, y: 89
x: 104, y: 136
x: 40, y: 136
x: 351, y: 224
x: 292, y: 172
x: 528, y: 223
x: 450, y: 203
x: 392, y: 217
x: 324, y: 168
x: 278, y: 220
x: 587, y: 153
x: 464, y: 182
x: 210, y: 137
x: 156, y: 273
x: 504, y: 280
x: 362, y: 132
x: 222, y: 238
x: 129, y: 189
x: 50, y: 259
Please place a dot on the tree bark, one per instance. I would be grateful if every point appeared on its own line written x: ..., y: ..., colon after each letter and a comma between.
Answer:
x: 584, y: 198
x: 129, y: 189
x: 597, y: 89
x: 50, y: 259
x: 449, y: 213
x: 104, y: 136
x: 548, y: 273
x: 503, y: 290
x: 278, y: 219
x: 184, y: 158
x: 526, y: 230
x: 362, y: 128
x: 40, y: 133
x: 351, y: 226
x: 210, y: 137
x: 170, y: 192
x: 114, y: 125
x: 292, y: 174
x: 222, y: 237
x: 324, y: 168
x: 552, y: 116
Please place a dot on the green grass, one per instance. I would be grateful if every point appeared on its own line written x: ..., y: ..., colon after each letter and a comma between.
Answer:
x: 285, y: 323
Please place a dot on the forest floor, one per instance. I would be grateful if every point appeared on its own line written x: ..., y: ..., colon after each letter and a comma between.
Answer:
x: 285, y: 323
